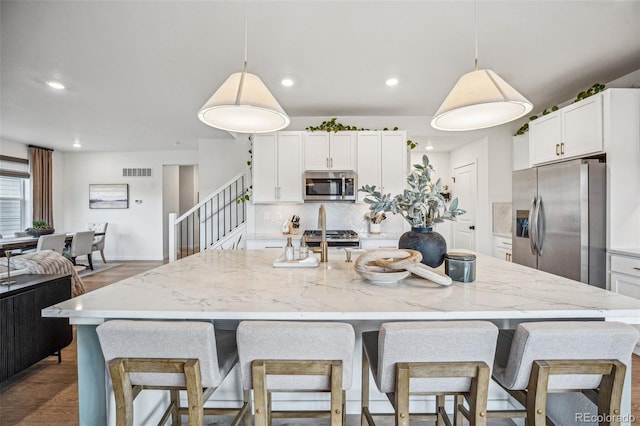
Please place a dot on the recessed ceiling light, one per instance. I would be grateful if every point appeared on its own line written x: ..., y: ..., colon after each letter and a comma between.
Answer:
x: 76, y: 144
x: 287, y: 82
x: 391, y: 82
x: 55, y: 85
x: 429, y: 147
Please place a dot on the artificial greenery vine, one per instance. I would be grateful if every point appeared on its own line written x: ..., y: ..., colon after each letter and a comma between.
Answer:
x: 596, y: 88
x: 246, y: 194
x: 335, y: 126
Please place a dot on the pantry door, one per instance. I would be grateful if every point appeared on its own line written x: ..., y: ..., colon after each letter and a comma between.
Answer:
x: 465, y: 188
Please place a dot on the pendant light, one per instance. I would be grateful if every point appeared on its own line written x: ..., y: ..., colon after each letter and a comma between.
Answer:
x: 480, y: 99
x: 243, y: 103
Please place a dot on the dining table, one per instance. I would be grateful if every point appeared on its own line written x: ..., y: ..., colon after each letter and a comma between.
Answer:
x: 29, y: 242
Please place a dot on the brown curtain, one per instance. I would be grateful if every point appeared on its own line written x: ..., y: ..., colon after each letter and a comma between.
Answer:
x: 42, y: 183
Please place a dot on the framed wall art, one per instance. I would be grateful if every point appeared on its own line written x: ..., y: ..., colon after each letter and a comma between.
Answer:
x: 109, y: 196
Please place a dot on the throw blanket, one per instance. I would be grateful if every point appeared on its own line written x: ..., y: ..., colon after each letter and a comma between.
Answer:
x: 48, y: 262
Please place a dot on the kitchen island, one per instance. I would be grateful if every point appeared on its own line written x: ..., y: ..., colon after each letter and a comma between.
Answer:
x: 243, y: 285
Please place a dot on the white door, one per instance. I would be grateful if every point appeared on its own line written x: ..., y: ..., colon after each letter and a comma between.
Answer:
x: 465, y: 187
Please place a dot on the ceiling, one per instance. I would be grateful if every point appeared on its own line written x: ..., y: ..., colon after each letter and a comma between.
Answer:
x: 138, y: 71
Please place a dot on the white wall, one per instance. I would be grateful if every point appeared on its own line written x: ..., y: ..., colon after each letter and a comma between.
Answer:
x: 170, y: 201
x: 219, y: 160
x: 135, y: 233
x: 492, y: 155
x: 13, y: 149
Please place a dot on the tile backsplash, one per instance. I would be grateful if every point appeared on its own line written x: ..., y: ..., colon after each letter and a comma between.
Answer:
x: 340, y: 215
x: 501, y: 218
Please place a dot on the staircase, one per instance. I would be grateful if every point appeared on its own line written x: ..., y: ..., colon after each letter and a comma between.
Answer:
x: 218, y: 221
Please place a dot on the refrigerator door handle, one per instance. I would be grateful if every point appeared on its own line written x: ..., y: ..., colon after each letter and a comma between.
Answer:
x: 537, y: 225
x: 532, y: 228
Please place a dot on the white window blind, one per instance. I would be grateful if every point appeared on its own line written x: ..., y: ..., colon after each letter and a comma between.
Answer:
x: 13, y: 205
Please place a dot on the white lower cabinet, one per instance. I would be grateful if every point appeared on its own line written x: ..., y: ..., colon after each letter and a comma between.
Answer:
x: 502, y: 248
x: 382, y: 243
x: 265, y: 244
x: 625, y: 275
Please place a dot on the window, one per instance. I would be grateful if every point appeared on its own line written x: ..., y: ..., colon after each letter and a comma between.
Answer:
x: 14, y: 199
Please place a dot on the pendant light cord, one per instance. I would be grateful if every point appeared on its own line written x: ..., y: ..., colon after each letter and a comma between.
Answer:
x: 475, y: 12
x: 244, y: 67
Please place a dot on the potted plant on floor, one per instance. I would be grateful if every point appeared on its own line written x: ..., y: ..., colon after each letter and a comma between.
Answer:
x: 39, y: 227
x: 422, y: 205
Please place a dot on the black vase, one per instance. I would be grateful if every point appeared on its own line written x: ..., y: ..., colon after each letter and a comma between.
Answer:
x: 428, y: 242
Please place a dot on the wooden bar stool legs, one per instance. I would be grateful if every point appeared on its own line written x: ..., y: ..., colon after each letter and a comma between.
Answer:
x: 289, y: 356
x: 430, y: 358
x: 587, y: 358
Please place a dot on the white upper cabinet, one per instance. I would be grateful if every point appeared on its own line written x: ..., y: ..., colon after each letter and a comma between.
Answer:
x: 382, y: 161
x: 394, y: 161
x: 572, y: 131
x: 369, y: 167
x: 277, y: 167
x: 545, y: 135
x: 330, y: 151
x: 521, y: 152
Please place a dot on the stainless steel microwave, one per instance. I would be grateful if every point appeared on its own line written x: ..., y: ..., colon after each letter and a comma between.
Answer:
x: 329, y: 185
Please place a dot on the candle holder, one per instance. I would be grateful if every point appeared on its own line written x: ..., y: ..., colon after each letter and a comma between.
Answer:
x: 8, y: 281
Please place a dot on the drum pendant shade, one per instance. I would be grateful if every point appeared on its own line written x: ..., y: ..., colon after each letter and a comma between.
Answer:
x: 480, y: 99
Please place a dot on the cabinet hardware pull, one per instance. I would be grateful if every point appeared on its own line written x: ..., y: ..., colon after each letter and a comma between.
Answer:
x: 331, y: 163
x: 557, y: 147
x: 275, y: 192
x: 562, y: 148
x: 637, y: 269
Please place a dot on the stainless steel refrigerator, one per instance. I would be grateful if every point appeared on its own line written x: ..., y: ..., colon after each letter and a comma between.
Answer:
x: 559, y: 219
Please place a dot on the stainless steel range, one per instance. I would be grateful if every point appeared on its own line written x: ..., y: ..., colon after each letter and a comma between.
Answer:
x: 339, y: 238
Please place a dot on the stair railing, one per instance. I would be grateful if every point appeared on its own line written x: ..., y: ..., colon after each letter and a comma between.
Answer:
x: 210, y: 220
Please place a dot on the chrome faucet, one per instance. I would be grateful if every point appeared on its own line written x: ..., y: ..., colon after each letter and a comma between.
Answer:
x: 322, y: 224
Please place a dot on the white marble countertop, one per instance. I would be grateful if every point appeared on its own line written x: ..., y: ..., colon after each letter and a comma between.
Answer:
x: 626, y: 252
x: 242, y: 284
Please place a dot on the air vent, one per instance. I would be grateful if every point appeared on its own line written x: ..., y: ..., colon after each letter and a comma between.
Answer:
x: 137, y: 172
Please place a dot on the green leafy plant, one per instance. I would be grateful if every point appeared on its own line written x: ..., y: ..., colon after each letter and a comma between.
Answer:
x: 422, y: 205
x: 39, y: 224
x: 596, y: 88
x: 334, y: 126
x: 246, y: 194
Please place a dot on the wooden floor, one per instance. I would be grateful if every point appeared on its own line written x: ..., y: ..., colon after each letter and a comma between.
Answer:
x: 47, y: 393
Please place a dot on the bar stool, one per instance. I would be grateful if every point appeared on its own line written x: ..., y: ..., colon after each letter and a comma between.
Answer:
x: 432, y: 358
x: 182, y: 355
x: 278, y: 356
x: 588, y: 357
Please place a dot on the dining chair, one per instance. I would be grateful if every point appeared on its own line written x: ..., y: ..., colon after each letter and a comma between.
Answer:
x: 98, y: 240
x: 430, y: 358
x: 585, y: 358
x: 286, y: 356
x: 169, y: 355
x: 81, y: 245
x: 53, y: 242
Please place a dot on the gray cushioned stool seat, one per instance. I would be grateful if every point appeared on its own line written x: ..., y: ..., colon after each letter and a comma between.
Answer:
x: 430, y: 341
x: 173, y: 356
x: 561, y: 340
x: 434, y: 357
x: 286, y: 340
